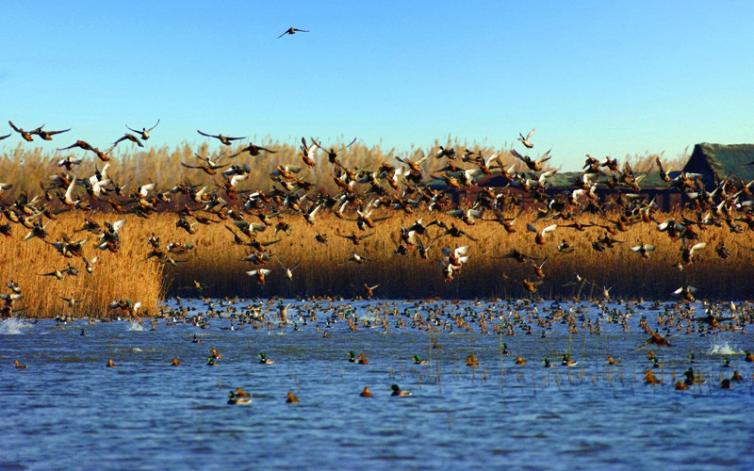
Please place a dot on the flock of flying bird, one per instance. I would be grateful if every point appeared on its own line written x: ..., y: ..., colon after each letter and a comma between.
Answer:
x: 403, y: 186
x: 367, y: 196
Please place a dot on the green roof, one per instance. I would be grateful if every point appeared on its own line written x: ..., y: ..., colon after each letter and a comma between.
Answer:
x: 570, y: 179
x: 727, y: 161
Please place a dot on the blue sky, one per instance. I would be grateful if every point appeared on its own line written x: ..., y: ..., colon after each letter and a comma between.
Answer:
x: 592, y: 76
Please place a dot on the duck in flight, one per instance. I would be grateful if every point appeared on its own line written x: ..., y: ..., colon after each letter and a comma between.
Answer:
x: 226, y: 140
x: 83, y: 145
x: 526, y: 141
x: 253, y: 150
x: 128, y: 137
x: 291, y: 31
x: 26, y: 135
x: 144, y: 133
x: 47, y: 135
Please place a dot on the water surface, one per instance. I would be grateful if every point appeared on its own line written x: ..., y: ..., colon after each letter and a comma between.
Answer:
x: 68, y: 411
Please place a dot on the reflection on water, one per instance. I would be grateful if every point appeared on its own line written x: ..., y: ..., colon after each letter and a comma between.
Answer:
x: 68, y: 411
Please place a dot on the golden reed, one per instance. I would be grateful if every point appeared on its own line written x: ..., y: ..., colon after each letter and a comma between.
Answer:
x: 323, y: 269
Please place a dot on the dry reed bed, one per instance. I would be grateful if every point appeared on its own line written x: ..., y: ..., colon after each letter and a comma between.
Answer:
x: 119, y: 275
x: 324, y: 270
x: 28, y: 167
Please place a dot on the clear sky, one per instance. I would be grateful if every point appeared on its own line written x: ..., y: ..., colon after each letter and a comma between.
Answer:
x: 601, y: 77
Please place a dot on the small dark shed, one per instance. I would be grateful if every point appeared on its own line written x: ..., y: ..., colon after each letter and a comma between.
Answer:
x: 718, y: 161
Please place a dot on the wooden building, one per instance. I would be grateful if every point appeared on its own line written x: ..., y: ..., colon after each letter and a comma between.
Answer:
x: 652, y: 187
x: 715, y: 162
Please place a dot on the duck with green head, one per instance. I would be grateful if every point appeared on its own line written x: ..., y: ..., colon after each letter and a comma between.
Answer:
x: 265, y: 360
x: 568, y: 361
x: 398, y: 392
x: 420, y: 361
x: 239, y: 397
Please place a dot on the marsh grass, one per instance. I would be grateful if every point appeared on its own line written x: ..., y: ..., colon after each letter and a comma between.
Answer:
x: 28, y: 167
x: 324, y: 269
x: 120, y: 275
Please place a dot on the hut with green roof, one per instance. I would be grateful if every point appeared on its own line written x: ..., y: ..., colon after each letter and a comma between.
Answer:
x: 715, y: 162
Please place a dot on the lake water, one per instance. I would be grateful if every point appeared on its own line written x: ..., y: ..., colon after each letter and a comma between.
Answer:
x: 68, y: 411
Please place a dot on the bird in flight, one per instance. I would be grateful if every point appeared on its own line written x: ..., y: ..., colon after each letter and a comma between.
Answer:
x: 144, y: 133
x: 291, y: 31
x: 252, y: 149
x: 128, y: 137
x: 47, y: 135
x: 226, y: 140
x: 27, y: 135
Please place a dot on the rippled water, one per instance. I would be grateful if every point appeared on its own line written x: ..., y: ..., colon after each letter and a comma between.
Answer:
x: 67, y: 411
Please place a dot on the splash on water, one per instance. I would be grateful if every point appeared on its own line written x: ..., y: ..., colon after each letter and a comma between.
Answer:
x: 135, y: 327
x: 724, y: 348
x: 13, y: 326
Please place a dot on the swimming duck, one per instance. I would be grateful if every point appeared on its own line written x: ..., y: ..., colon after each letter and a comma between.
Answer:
x: 737, y: 377
x: 291, y: 398
x: 352, y: 357
x: 362, y: 359
x: 420, y: 361
x: 215, y: 354
x: 397, y: 391
x: 546, y: 362
x: 265, y: 360
x: 19, y: 365
x: 568, y: 361
x: 175, y: 362
x: 650, y: 378
x: 681, y: 386
x: 749, y: 357
x: 520, y: 360
x: 239, y: 397
x: 110, y: 363
x: 725, y: 384
x: 366, y: 392
x: 211, y: 361
x: 472, y: 361
x: 611, y: 360
x: 692, y: 377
